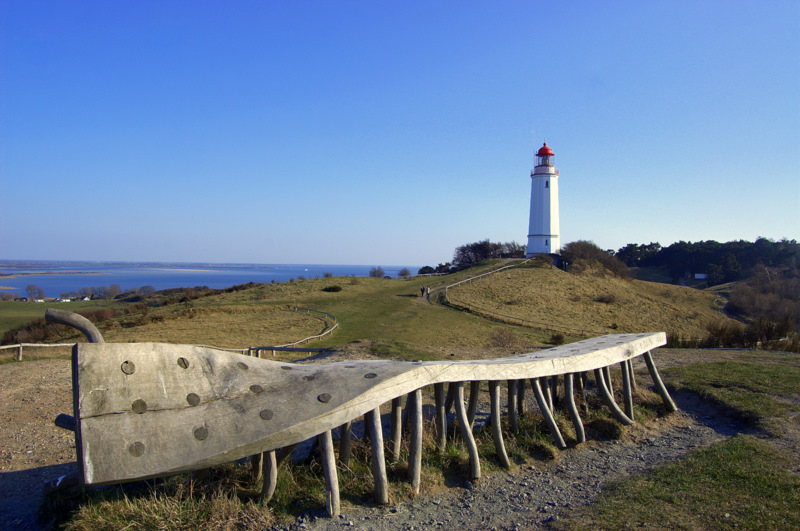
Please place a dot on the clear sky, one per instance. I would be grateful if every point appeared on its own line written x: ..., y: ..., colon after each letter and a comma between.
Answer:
x: 390, y: 132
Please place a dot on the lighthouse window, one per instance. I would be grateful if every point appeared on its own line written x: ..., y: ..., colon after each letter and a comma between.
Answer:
x: 545, y: 242
x: 547, y: 184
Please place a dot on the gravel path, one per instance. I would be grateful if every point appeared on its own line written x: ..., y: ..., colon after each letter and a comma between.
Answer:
x: 528, y: 497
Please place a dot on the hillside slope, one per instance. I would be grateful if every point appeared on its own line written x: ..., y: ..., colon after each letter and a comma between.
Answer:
x: 591, y: 301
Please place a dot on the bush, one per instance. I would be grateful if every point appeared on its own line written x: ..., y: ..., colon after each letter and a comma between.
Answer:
x: 332, y: 289
x: 503, y: 338
x: 607, y: 298
x: 557, y: 338
x: 582, y: 254
x: 376, y: 272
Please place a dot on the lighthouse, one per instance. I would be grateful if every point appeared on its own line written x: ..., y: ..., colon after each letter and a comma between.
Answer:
x: 543, y: 228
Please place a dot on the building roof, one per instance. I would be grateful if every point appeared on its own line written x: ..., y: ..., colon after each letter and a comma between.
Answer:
x: 544, y: 151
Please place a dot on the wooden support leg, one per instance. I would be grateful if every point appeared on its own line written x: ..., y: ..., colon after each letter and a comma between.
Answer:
x: 397, y: 431
x: 513, y: 419
x: 521, y: 397
x: 627, y: 392
x: 472, y: 407
x: 373, y: 418
x: 497, y: 430
x: 615, y: 410
x: 548, y: 392
x: 554, y: 392
x: 607, y: 380
x: 569, y: 395
x: 345, y: 439
x: 451, y: 396
x: 255, y: 466
x: 414, y: 402
x: 472, y: 447
x: 547, y: 413
x: 270, y: 474
x: 441, y: 417
x: 582, y: 381
x: 331, y: 478
x: 651, y: 366
x: 631, y: 375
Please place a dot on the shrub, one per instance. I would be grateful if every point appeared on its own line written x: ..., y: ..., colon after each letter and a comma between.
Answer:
x: 503, y: 338
x: 607, y: 298
x: 327, y: 274
x: 376, y: 272
x: 332, y: 289
x: 404, y: 273
x: 557, y: 338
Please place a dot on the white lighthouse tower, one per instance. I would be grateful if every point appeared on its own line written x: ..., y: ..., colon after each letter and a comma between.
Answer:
x: 543, y: 228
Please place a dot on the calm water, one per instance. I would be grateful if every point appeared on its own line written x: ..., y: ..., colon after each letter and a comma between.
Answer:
x: 56, y: 278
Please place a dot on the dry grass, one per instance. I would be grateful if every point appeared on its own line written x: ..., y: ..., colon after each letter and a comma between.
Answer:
x: 225, y: 328
x: 592, y: 302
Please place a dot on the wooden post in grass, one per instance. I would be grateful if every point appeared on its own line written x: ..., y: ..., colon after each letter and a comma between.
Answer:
x: 440, y: 417
x: 466, y: 431
x: 569, y: 393
x: 331, y: 477
x: 373, y: 419
x: 627, y: 392
x: 414, y: 402
x: 472, y: 408
x: 396, y: 425
x: 662, y: 390
x: 548, y: 415
x: 609, y: 399
x: 497, y: 428
x: 513, y: 417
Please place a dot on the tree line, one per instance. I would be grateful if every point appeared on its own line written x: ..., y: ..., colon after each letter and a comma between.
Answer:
x: 722, y: 262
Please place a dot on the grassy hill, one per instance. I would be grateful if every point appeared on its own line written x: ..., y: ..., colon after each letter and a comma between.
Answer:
x: 593, y: 302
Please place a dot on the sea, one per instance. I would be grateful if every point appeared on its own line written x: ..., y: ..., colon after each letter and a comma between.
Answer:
x: 62, y: 277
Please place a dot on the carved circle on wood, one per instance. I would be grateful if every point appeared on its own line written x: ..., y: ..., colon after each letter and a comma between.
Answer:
x: 286, y: 368
x: 257, y: 389
x: 242, y: 365
x: 370, y: 375
x: 265, y: 414
x: 128, y: 367
x: 136, y: 449
x: 201, y: 433
x: 139, y: 406
x: 183, y: 363
x: 193, y: 399
x: 324, y: 398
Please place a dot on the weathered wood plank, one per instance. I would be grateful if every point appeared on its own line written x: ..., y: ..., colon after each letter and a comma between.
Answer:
x: 147, y: 409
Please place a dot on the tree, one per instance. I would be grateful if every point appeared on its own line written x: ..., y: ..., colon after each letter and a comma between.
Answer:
x: 426, y: 270
x: 376, y: 272
x: 34, y: 292
x: 404, y: 273
x: 147, y: 289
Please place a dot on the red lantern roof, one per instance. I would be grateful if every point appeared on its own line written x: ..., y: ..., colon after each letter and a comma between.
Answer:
x: 544, y: 151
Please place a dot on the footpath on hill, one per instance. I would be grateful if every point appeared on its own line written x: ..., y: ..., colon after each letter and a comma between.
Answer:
x: 33, y: 451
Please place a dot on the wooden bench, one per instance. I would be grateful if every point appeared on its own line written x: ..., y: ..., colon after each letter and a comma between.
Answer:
x: 144, y: 410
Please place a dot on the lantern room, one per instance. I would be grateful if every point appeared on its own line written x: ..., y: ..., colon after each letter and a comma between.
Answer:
x: 544, y: 157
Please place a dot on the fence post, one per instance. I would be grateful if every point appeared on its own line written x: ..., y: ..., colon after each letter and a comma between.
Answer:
x: 19, y: 353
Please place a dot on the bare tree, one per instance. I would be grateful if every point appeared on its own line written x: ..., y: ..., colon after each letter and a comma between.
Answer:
x: 376, y: 272
x: 404, y: 273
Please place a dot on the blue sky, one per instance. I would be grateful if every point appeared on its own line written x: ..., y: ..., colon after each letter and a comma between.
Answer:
x: 390, y: 132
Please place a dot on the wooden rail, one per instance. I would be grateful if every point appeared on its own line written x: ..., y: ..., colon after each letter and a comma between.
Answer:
x: 145, y: 410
